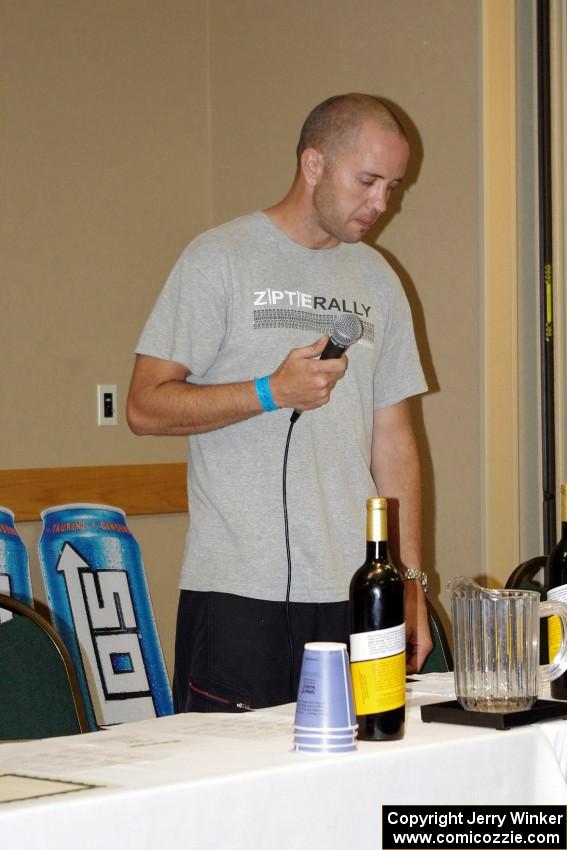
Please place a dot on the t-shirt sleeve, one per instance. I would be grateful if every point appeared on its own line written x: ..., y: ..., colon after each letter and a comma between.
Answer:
x: 398, y: 372
x: 189, y: 320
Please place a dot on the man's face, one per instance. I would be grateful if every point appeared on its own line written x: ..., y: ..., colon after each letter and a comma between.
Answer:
x: 354, y: 186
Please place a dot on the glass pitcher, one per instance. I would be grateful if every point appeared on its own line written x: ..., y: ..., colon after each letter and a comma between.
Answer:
x: 496, y: 646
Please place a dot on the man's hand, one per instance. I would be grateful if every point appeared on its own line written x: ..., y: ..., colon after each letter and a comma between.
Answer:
x: 304, y: 382
x: 418, y: 637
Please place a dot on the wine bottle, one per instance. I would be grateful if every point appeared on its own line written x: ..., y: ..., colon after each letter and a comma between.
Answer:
x: 556, y: 583
x: 377, y: 635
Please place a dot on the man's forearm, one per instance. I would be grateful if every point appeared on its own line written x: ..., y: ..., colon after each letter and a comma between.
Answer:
x: 404, y: 488
x: 161, y: 401
x: 396, y: 472
x: 177, y: 408
x: 405, y: 530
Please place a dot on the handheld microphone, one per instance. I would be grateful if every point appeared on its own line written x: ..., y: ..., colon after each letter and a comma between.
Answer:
x: 346, y: 330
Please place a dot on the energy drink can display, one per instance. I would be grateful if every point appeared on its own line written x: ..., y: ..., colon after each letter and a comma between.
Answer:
x: 100, y: 605
x: 14, y: 564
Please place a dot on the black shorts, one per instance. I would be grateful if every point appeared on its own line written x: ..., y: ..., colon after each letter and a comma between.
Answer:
x: 233, y: 653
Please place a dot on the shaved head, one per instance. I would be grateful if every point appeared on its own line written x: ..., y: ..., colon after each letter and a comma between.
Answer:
x: 335, y: 123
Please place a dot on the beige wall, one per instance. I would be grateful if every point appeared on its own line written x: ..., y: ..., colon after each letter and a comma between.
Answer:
x: 131, y: 125
x: 105, y: 177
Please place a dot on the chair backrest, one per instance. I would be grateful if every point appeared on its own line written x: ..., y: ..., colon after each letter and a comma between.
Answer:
x: 524, y: 576
x: 39, y: 691
x: 440, y: 659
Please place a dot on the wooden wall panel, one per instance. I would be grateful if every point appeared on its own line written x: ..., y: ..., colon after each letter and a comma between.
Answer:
x: 158, y: 488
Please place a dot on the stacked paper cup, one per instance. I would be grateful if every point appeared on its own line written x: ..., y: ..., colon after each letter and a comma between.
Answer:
x: 325, y: 721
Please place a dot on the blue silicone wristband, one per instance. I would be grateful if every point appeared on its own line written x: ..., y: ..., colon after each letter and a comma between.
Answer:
x: 265, y: 394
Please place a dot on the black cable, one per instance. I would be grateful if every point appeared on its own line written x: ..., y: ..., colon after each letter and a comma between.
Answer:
x: 288, y: 552
x: 346, y: 330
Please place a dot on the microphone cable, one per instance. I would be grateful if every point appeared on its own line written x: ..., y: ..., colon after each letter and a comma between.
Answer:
x: 288, y: 553
x: 347, y: 329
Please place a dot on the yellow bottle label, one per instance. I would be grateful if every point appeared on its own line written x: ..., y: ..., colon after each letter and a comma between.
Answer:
x: 554, y: 630
x: 379, y: 684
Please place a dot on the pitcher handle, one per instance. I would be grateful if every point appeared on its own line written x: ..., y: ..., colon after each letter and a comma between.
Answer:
x: 558, y: 666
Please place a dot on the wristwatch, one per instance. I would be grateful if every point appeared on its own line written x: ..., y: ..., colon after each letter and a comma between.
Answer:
x: 418, y: 575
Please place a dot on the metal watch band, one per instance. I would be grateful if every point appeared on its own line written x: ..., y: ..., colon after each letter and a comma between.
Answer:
x: 418, y: 575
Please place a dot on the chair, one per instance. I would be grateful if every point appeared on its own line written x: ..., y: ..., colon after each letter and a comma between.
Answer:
x: 523, y: 576
x: 40, y: 695
x: 440, y: 659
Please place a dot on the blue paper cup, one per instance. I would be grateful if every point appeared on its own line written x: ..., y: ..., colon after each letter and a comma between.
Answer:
x: 324, y: 740
x: 323, y: 749
x: 324, y: 700
x: 336, y: 730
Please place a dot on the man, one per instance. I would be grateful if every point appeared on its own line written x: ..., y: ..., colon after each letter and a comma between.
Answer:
x: 227, y: 355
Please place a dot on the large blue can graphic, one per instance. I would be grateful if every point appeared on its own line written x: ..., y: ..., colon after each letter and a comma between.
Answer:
x: 14, y: 564
x: 100, y: 605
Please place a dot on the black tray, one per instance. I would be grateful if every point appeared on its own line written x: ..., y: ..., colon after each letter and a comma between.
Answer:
x: 453, y: 712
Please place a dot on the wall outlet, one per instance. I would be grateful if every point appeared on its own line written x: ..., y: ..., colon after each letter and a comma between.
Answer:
x: 107, y: 404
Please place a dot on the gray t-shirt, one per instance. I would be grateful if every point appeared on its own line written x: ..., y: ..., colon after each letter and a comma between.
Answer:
x: 238, y: 299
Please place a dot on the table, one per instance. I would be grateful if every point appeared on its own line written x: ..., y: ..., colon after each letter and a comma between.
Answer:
x: 233, y: 781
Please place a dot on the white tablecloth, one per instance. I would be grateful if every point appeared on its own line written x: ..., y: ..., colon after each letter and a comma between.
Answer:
x: 233, y: 781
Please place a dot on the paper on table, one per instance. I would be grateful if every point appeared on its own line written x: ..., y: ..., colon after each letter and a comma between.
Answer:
x: 138, y: 744
x: 15, y: 787
x: 442, y: 684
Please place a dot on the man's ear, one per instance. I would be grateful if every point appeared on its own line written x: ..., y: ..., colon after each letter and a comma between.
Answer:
x: 312, y: 164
